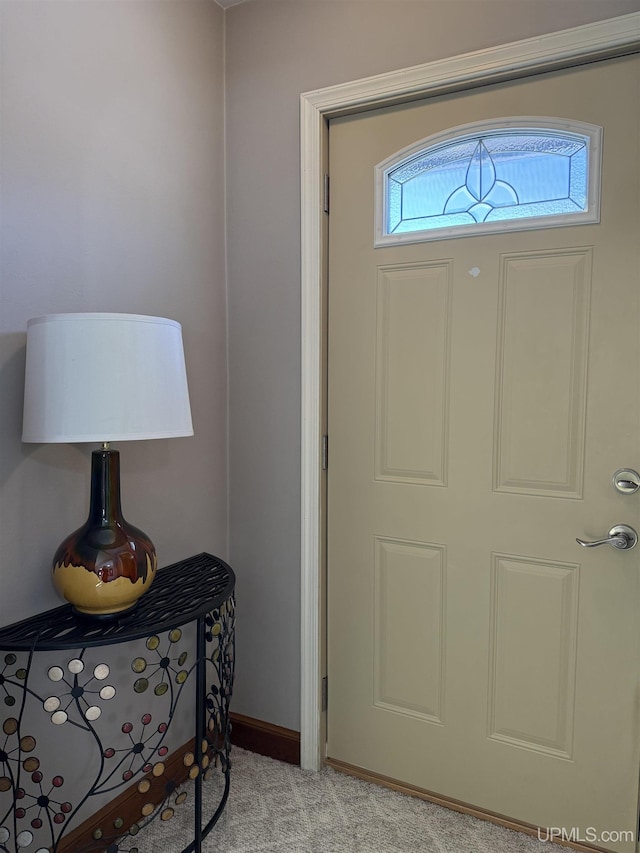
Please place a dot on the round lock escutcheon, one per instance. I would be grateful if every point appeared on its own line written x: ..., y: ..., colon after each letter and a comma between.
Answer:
x: 626, y: 481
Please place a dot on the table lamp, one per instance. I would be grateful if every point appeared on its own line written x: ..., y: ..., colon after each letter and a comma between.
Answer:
x: 103, y: 378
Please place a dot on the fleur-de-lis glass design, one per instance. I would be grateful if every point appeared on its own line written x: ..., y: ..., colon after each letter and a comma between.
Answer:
x: 500, y: 175
x: 482, y: 191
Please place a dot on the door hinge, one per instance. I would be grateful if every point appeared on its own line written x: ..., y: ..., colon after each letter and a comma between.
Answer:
x: 325, y: 452
x: 325, y: 199
x: 325, y: 693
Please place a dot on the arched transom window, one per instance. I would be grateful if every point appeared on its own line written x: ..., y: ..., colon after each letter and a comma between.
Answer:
x: 504, y: 175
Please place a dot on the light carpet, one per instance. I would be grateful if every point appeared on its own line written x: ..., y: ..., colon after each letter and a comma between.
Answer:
x: 280, y: 808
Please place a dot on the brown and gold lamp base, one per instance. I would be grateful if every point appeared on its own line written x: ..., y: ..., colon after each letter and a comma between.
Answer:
x: 107, y: 564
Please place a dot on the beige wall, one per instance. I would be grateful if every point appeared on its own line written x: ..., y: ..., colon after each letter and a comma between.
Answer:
x: 275, y: 50
x: 112, y: 200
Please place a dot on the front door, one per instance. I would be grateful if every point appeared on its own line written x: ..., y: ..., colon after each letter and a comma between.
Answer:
x: 482, y: 391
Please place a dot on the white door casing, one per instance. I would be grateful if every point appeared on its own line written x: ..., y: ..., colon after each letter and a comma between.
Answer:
x: 613, y: 37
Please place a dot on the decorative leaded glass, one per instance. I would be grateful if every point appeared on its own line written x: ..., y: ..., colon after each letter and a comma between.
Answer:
x: 498, y: 176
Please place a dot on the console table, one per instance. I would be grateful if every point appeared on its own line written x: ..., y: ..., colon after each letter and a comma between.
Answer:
x: 54, y: 684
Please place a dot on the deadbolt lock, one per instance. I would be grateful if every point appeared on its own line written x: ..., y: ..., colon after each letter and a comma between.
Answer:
x: 626, y: 481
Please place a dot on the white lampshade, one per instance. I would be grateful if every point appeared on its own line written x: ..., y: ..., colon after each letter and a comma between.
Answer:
x: 104, y: 377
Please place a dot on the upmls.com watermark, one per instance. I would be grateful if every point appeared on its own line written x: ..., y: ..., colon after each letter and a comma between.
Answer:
x: 586, y: 835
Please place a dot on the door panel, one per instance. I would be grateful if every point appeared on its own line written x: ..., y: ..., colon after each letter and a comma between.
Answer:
x: 482, y: 391
x: 413, y: 306
x: 543, y: 325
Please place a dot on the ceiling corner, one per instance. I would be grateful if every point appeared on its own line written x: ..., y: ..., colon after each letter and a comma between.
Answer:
x: 225, y: 4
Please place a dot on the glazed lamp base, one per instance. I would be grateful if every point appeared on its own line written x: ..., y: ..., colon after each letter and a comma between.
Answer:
x: 105, y: 566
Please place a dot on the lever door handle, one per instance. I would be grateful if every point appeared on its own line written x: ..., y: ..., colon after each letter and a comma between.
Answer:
x: 621, y: 536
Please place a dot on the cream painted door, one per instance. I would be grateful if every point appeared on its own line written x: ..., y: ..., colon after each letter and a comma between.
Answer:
x: 482, y: 392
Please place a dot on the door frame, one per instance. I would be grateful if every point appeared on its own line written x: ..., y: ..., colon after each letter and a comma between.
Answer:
x: 565, y: 48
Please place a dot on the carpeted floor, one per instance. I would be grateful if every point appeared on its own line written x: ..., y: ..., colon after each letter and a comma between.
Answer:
x: 279, y: 808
